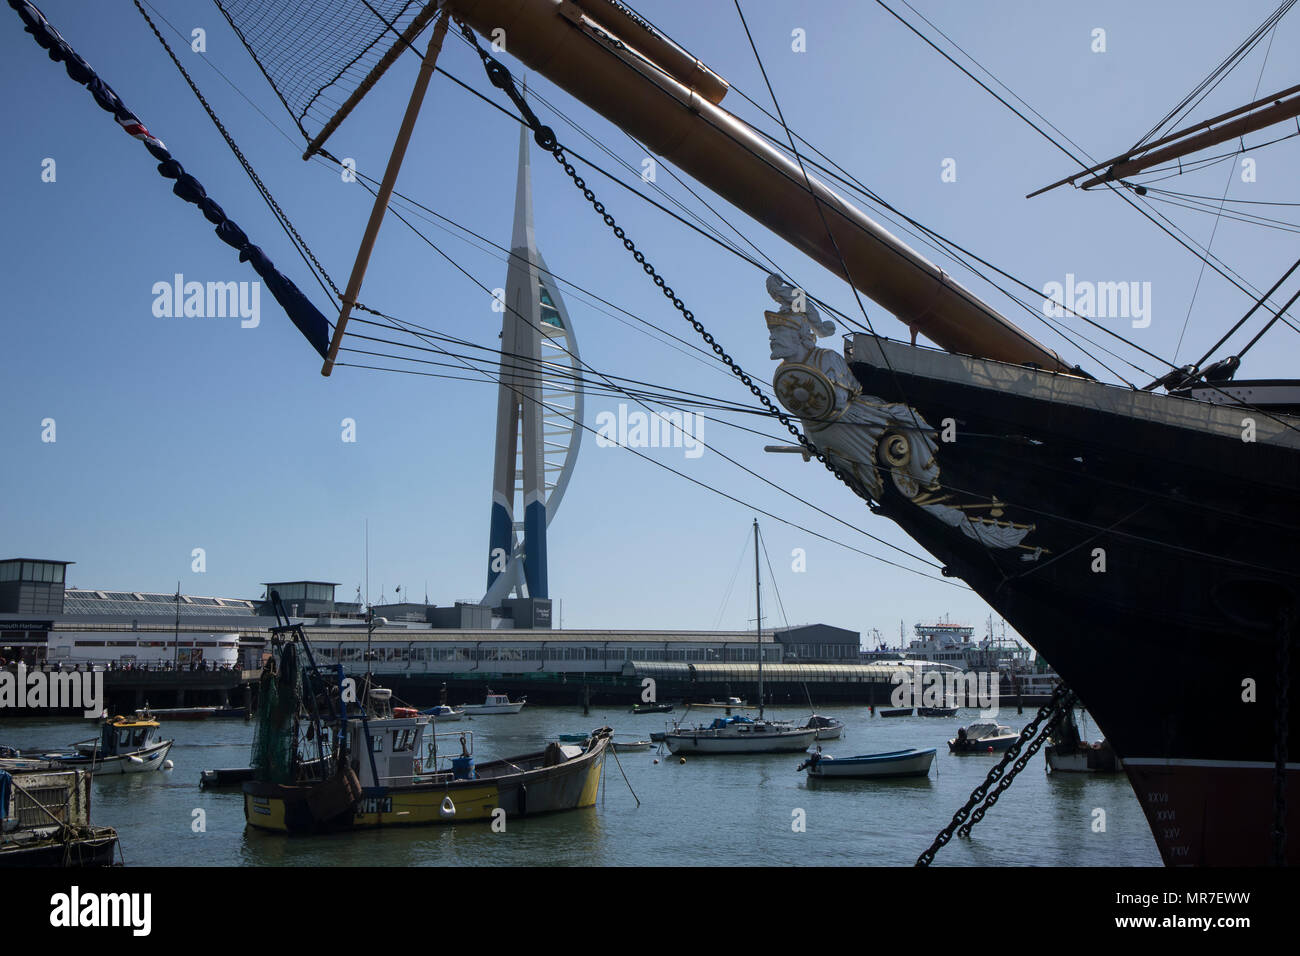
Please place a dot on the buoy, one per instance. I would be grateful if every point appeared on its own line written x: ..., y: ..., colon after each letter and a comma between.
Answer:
x: 681, y: 760
x: 656, y: 759
x: 448, y: 809
x: 990, y: 748
x: 167, y: 765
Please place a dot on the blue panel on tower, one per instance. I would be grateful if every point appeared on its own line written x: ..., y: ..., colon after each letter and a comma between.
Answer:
x: 535, y: 549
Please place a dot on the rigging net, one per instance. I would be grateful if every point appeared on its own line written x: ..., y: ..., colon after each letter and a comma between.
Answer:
x: 275, y: 734
x: 319, y: 55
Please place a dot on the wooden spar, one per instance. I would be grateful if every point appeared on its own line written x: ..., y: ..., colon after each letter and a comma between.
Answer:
x: 418, y: 23
x: 386, y: 190
x: 605, y: 71
x: 1145, y: 150
x: 660, y: 51
x: 1279, y: 111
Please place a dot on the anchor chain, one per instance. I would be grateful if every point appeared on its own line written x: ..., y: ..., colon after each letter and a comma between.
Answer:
x: 1060, y: 694
x: 501, y: 78
x: 1004, y: 784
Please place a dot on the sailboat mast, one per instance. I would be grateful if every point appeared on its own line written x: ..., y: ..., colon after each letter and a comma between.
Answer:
x: 758, y: 626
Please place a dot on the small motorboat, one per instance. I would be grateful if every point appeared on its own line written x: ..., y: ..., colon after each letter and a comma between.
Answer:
x: 124, y: 745
x: 728, y: 705
x: 217, y: 779
x: 627, y: 746
x: 443, y: 712
x: 896, y: 763
x: 936, y: 711
x: 828, y: 728
x: 652, y: 708
x: 982, y: 738
x: 896, y: 712
x: 495, y: 704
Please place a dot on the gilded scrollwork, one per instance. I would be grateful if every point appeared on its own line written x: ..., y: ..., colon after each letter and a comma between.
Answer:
x: 861, y: 434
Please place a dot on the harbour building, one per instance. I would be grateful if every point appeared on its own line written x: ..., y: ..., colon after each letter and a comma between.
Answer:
x: 418, y: 649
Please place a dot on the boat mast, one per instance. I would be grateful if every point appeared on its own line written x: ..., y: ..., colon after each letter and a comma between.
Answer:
x: 758, y: 626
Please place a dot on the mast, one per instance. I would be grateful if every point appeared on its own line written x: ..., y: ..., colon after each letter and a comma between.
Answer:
x: 758, y: 627
x: 595, y: 53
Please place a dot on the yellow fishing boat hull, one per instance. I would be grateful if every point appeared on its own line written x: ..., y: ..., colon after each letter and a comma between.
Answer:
x: 521, y: 786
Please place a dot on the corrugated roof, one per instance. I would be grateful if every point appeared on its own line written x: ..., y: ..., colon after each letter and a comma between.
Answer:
x: 78, y: 601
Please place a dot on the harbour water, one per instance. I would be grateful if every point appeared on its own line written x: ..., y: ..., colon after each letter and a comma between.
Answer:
x: 710, y: 811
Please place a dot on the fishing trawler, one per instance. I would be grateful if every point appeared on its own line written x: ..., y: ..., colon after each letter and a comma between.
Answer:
x: 321, y: 763
x: 1147, y: 524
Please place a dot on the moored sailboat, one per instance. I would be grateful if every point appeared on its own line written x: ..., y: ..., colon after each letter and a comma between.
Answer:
x: 736, y: 733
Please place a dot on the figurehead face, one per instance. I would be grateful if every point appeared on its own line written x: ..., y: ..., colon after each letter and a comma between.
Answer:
x: 793, y: 329
x: 790, y: 339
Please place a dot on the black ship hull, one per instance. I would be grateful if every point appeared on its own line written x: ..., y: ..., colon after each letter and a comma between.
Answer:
x: 1158, y: 574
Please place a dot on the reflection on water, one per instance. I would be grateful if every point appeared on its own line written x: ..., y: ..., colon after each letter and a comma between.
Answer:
x: 723, y: 811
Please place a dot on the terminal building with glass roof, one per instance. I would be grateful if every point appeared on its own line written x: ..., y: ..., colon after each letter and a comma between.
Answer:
x: 43, y: 620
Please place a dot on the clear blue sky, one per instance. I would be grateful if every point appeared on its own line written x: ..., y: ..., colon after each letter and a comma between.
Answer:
x: 174, y: 434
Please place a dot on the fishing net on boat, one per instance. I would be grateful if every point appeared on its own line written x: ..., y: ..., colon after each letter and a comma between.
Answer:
x: 321, y: 56
x: 275, y: 736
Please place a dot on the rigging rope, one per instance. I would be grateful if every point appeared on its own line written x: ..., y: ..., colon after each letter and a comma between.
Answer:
x: 545, y: 137
x: 1161, y: 222
x: 299, y: 308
